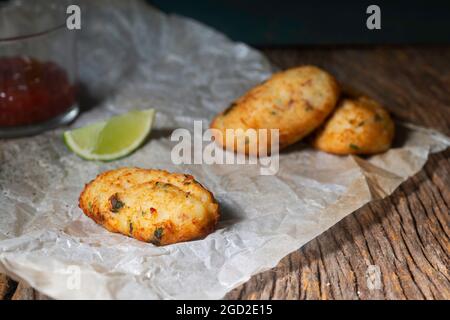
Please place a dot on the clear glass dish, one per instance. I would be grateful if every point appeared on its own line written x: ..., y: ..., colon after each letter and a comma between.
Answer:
x: 37, y: 68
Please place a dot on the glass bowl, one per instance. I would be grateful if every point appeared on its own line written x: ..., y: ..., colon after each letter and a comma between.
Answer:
x: 37, y: 68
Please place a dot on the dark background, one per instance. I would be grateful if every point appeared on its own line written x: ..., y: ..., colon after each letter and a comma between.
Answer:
x: 318, y: 22
x: 281, y: 23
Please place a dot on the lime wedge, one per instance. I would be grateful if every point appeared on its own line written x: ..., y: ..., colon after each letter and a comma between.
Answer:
x: 111, y: 139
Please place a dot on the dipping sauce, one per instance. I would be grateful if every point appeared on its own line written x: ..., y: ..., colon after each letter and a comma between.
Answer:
x: 32, y: 91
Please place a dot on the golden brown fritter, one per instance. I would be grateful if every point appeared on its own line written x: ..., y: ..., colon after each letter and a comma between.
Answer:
x: 358, y: 126
x: 295, y: 101
x: 150, y: 205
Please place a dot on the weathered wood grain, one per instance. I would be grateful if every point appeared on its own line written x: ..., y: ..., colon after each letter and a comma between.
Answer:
x: 406, y: 235
x: 7, y: 287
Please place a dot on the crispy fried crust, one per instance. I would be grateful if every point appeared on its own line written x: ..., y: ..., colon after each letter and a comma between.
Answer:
x: 295, y: 101
x: 150, y: 205
x: 358, y: 126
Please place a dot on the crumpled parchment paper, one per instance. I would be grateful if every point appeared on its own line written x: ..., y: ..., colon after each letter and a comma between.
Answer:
x: 132, y: 56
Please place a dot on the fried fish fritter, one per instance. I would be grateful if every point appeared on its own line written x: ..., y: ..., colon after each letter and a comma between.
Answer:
x: 358, y: 126
x: 150, y: 205
x: 295, y: 101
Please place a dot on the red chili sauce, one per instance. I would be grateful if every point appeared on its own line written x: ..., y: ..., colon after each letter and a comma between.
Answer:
x: 32, y: 91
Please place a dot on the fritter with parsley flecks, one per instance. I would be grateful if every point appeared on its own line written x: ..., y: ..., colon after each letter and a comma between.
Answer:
x: 295, y: 101
x: 150, y: 205
x: 358, y: 126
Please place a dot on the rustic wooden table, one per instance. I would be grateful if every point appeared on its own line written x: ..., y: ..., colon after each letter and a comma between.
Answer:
x: 405, y: 235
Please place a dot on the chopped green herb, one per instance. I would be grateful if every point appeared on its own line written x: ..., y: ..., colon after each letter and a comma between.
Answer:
x: 274, y: 113
x: 378, y: 118
x: 131, y: 227
x: 90, y: 206
x: 158, y: 233
x: 354, y: 146
x: 157, y: 236
x: 162, y: 185
x: 309, y: 107
x: 116, y: 204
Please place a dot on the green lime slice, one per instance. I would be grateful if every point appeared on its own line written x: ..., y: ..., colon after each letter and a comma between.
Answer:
x: 111, y: 139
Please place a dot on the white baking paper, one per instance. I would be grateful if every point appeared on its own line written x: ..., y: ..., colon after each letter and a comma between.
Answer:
x: 132, y: 56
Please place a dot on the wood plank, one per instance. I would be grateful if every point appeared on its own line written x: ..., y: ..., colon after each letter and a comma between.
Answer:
x: 24, y: 292
x: 7, y: 287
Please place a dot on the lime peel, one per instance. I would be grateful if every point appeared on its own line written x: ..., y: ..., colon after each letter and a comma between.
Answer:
x: 112, y: 139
